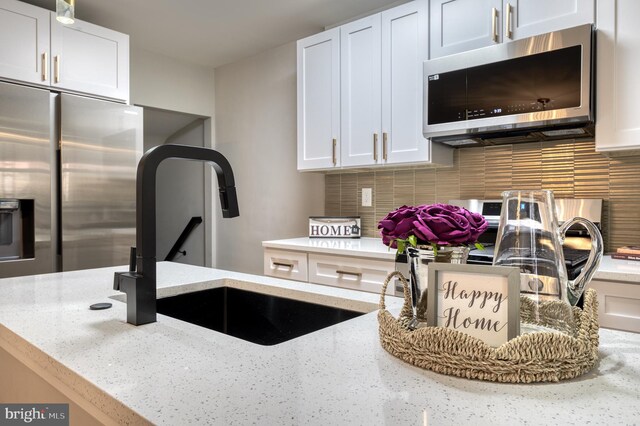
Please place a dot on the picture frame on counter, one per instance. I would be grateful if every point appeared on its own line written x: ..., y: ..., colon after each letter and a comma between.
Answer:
x: 334, y: 227
x: 482, y: 301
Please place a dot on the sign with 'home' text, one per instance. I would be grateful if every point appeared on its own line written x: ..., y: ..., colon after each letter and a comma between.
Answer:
x: 334, y: 227
x: 482, y: 301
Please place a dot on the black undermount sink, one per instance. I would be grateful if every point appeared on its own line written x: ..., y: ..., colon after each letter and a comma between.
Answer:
x: 255, y: 317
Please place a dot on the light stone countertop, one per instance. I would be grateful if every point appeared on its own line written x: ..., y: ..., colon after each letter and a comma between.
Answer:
x: 172, y: 372
x: 361, y: 247
x: 610, y: 269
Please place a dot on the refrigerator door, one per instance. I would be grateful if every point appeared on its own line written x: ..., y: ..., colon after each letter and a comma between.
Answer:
x: 101, y: 144
x: 26, y: 154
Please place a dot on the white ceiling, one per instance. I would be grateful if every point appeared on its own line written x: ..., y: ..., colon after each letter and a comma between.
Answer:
x: 216, y: 32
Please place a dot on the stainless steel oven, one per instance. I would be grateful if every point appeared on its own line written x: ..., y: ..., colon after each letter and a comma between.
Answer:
x: 577, y: 244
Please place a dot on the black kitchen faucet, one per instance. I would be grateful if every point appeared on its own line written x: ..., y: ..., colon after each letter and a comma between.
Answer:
x: 139, y: 283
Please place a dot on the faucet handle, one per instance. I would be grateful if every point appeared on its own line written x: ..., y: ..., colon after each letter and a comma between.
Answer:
x: 132, y: 260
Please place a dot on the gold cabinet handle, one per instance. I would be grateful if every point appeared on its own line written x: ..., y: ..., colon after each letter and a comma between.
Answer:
x: 375, y: 147
x: 355, y: 274
x: 286, y: 265
x: 384, y: 145
x: 507, y: 21
x: 44, y: 66
x: 56, y: 69
x: 333, y: 152
x: 494, y: 24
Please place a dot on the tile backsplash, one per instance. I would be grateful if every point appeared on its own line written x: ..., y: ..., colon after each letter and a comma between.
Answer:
x: 570, y: 169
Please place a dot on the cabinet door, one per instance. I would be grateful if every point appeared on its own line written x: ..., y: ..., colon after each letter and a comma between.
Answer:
x: 285, y: 264
x: 404, y: 49
x: 460, y: 25
x: 90, y: 59
x: 350, y: 272
x: 525, y: 18
x: 618, y: 85
x: 618, y: 302
x: 319, y: 101
x: 24, y: 42
x: 360, y: 92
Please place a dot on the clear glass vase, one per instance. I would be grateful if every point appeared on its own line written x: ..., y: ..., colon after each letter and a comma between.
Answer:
x: 419, y: 259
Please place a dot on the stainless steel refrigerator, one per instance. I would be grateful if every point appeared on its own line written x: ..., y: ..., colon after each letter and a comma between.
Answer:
x: 67, y: 181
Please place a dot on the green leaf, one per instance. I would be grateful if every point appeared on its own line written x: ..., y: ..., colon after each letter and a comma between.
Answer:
x: 401, y: 246
x: 479, y: 246
x: 413, y: 240
x: 434, y: 246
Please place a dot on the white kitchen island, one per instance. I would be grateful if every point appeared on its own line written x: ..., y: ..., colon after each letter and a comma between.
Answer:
x: 172, y: 372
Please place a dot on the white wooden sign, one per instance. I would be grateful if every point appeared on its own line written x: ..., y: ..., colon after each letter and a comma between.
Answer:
x: 334, y: 227
x: 482, y: 301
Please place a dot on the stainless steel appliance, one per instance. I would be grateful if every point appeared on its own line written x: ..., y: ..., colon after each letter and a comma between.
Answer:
x: 538, y: 88
x: 16, y: 229
x: 73, y: 159
x: 577, y: 245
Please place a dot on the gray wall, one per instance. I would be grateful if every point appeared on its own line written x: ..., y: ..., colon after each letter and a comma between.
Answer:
x: 159, y: 81
x: 256, y: 129
x: 180, y: 184
x: 180, y: 196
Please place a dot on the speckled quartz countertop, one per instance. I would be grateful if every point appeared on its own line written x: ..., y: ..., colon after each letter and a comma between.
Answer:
x: 362, y: 247
x: 610, y: 269
x: 171, y: 372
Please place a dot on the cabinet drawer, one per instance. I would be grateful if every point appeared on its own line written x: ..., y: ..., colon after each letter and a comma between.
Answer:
x: 618, y: 305
x: 350, y: 272
x: 285, y: 264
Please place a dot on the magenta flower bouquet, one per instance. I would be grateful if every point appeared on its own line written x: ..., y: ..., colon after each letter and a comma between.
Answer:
x: 436, y: 225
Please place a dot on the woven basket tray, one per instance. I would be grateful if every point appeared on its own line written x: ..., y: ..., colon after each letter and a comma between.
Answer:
x: 534, y: 357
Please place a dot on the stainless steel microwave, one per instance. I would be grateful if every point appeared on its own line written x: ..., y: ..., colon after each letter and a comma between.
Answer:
x: 531, y: 89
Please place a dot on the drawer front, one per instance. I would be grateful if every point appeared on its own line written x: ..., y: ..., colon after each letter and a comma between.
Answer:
x: 285, y: 264
x: 618, y: 305
x: 350, y: 272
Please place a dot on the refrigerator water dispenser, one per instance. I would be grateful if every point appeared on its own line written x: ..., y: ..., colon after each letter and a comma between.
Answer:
x: 16, y: 229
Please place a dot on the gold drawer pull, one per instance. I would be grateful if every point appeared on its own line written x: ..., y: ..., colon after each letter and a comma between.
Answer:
x: 375, y: 147
x: 44, y: 67
x: 384, y: 146
x: 509, y: 30
x: 333, y: 152
x: 494, y: 24
x: 56, y: 69
x: 286, y: 265
x: 355, y: 274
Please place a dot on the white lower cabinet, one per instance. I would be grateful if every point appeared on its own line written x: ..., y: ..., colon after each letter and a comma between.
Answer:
x: 356, y: 273
x: 285, y: 264
x: 618, y: 304
x: 350, y: 272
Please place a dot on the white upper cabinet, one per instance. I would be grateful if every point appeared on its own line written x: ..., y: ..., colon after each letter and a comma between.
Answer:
x: 360, y: 92
x: 90, y: 59
x: 526, y: 18
x: 319, y: 101
x: 82, y: 58
x: 618, y: 80
x: 24, y: 42
x: 360, y: 85
x: 404, y: 49
x: 461, y: 25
